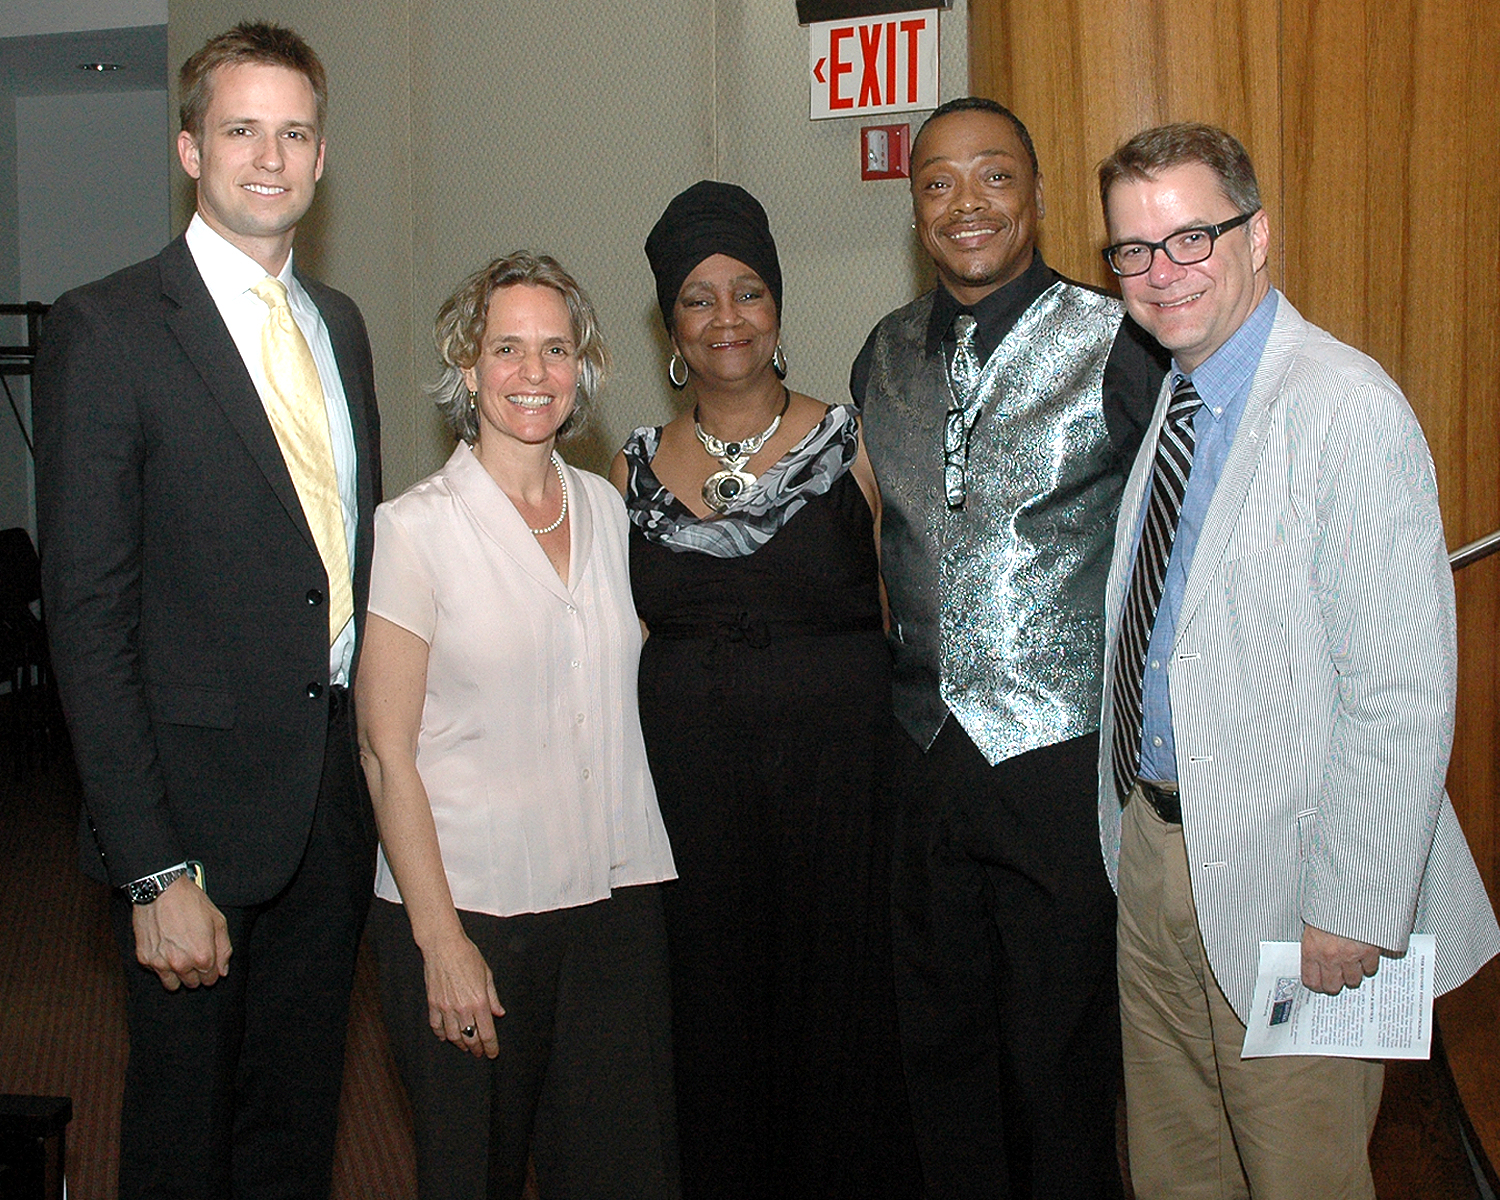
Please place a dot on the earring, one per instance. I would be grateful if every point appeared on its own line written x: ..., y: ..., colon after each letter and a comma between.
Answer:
x: 470, y: 432
x: 675, y: 363
x: 778, y: 362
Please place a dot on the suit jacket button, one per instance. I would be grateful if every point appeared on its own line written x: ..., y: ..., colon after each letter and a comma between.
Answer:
x: 314, y: 690
x: 314, y: 597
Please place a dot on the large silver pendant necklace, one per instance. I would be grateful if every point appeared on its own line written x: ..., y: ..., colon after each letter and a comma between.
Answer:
x: 723, y: 488
x: 562, y: 479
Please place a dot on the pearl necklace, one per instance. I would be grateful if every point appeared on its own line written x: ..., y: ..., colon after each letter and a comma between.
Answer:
x: 561, y: 479
x: 723, y: 488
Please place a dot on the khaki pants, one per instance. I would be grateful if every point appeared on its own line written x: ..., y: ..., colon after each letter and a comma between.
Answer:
x: 1204, y: 1123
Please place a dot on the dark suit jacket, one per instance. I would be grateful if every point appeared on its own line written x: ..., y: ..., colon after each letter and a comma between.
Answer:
x: 184, y: 594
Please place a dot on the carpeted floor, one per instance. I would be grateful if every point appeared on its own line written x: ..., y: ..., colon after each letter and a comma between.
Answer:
x: 62, y: 1029
x: 62, y: 1023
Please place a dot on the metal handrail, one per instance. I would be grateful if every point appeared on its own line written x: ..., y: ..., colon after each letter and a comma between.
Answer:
x: 1474, y: 551
x: 17, y: 360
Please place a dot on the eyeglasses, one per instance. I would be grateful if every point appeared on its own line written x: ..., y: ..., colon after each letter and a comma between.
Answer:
x: 1185, y: 247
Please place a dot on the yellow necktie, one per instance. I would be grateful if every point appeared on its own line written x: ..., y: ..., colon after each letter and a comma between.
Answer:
x: 299, y: 418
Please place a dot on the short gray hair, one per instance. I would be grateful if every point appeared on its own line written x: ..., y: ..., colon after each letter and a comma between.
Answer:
x: 1152, y: 151
x: 460, y: 332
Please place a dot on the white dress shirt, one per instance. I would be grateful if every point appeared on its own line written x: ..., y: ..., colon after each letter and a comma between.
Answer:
x: 229, y: 274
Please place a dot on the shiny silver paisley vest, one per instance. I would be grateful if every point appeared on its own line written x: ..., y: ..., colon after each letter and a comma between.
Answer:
x: 997, y: 610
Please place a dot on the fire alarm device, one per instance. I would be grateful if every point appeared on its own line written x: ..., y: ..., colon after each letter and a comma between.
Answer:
x: 885, y: 152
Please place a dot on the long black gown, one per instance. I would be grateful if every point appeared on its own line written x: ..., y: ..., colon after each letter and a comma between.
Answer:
x: 765, y: 692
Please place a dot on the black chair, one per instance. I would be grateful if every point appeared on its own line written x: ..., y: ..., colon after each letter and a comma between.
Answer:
x: 33, y: 1146
x: 34, y: 725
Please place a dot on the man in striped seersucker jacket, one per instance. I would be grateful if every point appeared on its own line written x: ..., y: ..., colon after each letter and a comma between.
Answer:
x: 1279, y: 696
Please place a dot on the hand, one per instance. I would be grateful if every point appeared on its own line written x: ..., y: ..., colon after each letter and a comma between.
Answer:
x: 182, y: 936
x: 1331, y: 963
x: 461, y: 995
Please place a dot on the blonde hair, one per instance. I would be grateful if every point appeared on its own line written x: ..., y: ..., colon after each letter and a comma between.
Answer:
x: 460, y: 331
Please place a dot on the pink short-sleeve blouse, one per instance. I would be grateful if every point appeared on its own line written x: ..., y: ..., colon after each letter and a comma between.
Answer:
x: 530, y: 745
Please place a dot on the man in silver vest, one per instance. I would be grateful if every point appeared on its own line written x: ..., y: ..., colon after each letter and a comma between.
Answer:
x: 1282, y: 662
x: 1001, y: 411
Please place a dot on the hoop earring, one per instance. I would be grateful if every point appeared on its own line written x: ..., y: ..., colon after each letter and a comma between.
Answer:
x: 778, y: 362
x: 673, y: 364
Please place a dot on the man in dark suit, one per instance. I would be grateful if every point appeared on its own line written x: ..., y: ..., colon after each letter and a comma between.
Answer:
x: 208, y: 464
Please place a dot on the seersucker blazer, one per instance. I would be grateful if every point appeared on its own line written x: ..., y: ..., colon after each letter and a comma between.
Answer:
x: 1313, y: 676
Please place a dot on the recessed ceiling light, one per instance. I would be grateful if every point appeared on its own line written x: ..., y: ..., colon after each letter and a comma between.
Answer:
x: 100, y: 67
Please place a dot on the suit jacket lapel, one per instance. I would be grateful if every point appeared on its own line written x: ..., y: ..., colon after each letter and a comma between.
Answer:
x: 205, y: 342
x: 1224, y: 510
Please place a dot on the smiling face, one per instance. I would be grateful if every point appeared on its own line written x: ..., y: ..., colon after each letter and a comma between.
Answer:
x: 527, y: 373
x: 724, y: 322
x: 976, y: 201
x: 258, y: 160
x: 1192, y: 310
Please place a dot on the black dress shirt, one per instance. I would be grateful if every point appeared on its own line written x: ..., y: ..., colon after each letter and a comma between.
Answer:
x: 1132, y: 376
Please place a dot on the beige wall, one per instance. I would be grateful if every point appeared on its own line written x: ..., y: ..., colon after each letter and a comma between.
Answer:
x: 463, y: 129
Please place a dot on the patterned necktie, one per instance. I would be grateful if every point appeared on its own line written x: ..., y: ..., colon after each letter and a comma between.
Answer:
x: 294, y: 403
x: 1169, y: 476
x: 963, y: 379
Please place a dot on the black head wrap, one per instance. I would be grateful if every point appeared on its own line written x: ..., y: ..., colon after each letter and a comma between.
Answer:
x: 710, y: 218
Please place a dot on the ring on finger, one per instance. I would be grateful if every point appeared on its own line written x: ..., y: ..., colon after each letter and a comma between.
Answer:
x: 468, y: 1031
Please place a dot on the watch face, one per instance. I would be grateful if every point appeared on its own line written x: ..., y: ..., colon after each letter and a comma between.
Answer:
x: 144, y: 891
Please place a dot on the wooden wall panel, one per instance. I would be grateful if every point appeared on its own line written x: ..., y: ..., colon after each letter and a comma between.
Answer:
x: 1391, y: 149
x: 1085, y: 76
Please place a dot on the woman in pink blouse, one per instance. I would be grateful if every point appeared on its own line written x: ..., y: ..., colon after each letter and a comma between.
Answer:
x: 522, y: 958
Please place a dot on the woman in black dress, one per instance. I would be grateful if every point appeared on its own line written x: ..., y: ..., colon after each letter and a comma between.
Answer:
x: 765, y: 693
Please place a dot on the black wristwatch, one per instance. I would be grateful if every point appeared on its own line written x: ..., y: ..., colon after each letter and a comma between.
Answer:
x: 145, y: 891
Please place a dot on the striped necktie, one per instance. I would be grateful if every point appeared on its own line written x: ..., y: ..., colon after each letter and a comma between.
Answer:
x: 1169, y: 476
x: 299, y: 417
x: 963, y: 379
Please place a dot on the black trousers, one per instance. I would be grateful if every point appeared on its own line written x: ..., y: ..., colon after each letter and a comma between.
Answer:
x: 233, y: 1090
x: 584, y: 1077
x: 1004, y: 929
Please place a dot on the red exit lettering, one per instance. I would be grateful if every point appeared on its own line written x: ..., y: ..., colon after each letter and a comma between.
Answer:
x: 878, y: 72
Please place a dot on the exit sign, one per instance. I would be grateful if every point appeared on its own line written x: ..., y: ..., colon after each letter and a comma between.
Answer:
x: 874, y: 65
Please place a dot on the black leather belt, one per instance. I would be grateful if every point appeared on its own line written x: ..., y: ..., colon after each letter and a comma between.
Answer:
x: 1164, y: 798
